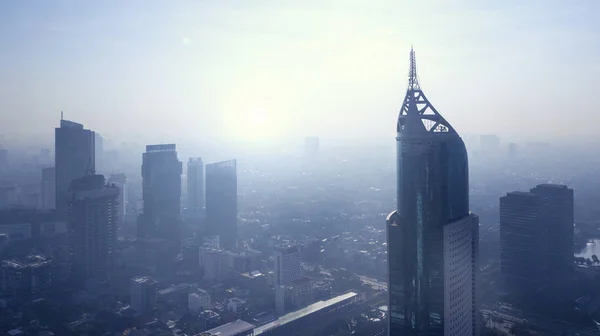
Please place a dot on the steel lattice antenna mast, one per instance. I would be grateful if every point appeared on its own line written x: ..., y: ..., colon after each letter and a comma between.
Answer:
x: 413, y: 80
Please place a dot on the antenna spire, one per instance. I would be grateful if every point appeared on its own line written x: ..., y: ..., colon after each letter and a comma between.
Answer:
x: 413, y: 80
x: 61, y: 115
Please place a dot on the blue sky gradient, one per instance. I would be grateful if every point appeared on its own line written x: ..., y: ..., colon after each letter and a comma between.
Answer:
x: 266, y: 68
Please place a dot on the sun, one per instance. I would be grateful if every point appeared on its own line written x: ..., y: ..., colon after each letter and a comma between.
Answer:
x: 256, y: 123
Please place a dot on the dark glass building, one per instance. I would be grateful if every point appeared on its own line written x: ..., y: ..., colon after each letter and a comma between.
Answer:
x: 560, y: 216
x: 221, y: 202
x: 161, y: 190
x: 432, y: 237
x: 523, y: 241
x: 75, y: 157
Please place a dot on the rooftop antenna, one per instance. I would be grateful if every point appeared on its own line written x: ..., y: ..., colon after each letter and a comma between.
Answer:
x: 61, y: 115
x: 413, y: 80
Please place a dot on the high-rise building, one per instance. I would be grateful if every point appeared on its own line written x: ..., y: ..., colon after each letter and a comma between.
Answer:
x: 287, y: 264
x: 48, y: 189
x: 31, y: 275
x: 559, y: 212
x: 93, y: 216
x: 195, y: 184
x: 161, y: 173
x: 523, y: 240
x: 120, y: 180
x: 199, y: 301
x: 432, y: 235
x: 221, y: 202
x: 142, y: 294
x: 74, y: 158
x: 99, y: 151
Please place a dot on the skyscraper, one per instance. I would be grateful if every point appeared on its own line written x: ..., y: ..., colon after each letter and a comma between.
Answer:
x: 92, y: 227
x: 161, y: 173
x: 99, y: 151
x: 432, y: 236
x: 195, y: 184
x: 221, y: 202
x: 48, y: 189
x: 120, y: 180
x: 75, y: 157
x: 142, y: 294
x: 523, y: 240
x: 559, y: 203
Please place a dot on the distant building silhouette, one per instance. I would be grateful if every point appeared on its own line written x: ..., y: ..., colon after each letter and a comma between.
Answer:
x: 48, y: 189
x: 75, y: 157
x: 195, y: 184
x: 161, y: 173
x: 311, y: 145
x: 523, y: 241
x: 432, y: 237
x: 559, y: 217
x: 93, y: 217
x: 99, y: 151
x: 490, y: 144
x: 120, y: 180
x: 221, y: 202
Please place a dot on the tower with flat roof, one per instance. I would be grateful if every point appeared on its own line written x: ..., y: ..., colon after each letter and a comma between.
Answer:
x: 74, y: 158
x: 221, y: 202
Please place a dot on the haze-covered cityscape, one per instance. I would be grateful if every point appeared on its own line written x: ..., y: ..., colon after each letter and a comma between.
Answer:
x: 244, y: 168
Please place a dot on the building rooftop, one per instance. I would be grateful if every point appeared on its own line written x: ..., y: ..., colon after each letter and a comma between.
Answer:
x: 144, y: 279
x: 30, y: 261
x: 229, y: 329
x: 303, y: 312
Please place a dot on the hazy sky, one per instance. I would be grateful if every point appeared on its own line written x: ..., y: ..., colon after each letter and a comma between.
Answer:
x: 330, y: 68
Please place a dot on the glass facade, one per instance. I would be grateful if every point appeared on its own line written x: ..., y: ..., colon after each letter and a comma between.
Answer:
x: 433, y: 191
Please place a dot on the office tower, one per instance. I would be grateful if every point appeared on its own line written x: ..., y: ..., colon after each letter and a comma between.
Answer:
x: 221, y: 202
x: 120, y: 180
x: 48, y: 189
x: 142, y: 294
x: 311, y: 145
x: 287, y: 264
x: 432, y: 236
x: 559, y: 211
x: 74, y: 158
x: 99, y: 151
x: 523, y: 240
x: 92, y: 227
x: 195, y: 184
x: 161, y: 173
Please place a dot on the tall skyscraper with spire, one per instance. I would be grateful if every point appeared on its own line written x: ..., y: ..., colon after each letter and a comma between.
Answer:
x: 432, y: 236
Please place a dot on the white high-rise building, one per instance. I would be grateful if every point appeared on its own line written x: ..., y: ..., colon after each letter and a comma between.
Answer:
x: 199, y: 301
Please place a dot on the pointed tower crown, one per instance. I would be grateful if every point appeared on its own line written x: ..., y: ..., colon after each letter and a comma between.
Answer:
x: 418, y: 117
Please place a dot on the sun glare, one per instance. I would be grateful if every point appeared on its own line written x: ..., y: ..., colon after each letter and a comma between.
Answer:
x: 256, y: 123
